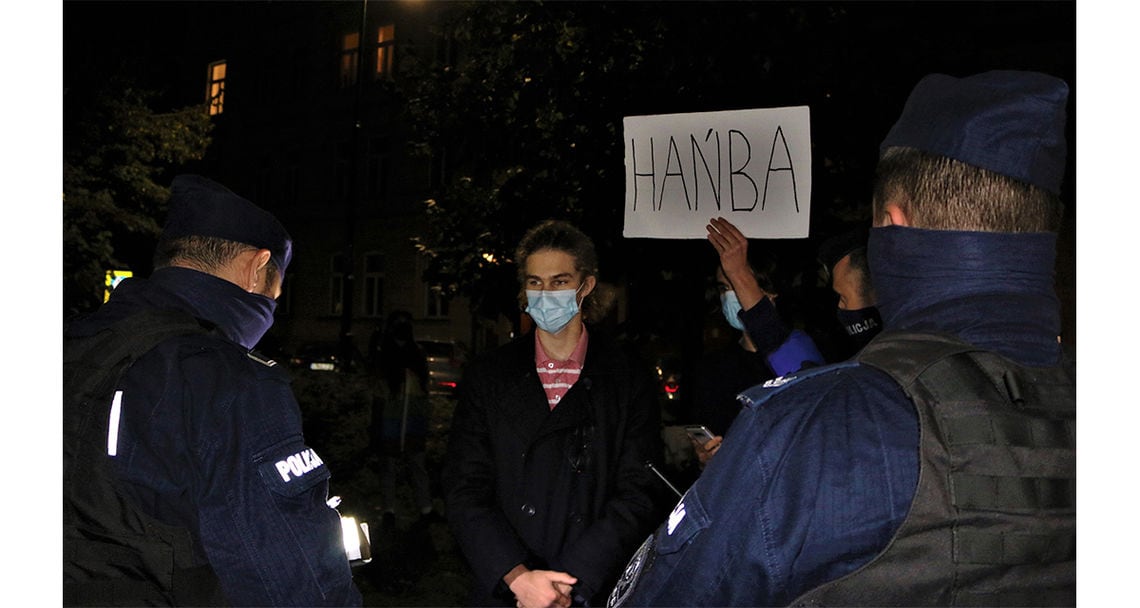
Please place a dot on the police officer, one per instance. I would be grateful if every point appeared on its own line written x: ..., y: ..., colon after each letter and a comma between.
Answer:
x: 844, y: 258
x: 202, y: 490
x: 938, y: 467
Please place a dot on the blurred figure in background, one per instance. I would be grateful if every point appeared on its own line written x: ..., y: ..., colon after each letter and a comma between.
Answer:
x: 402, y: 418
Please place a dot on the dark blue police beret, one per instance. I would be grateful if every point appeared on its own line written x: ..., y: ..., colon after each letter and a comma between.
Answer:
x: 202, y: 207
x: 1008, y: 122
x: 837, y: 247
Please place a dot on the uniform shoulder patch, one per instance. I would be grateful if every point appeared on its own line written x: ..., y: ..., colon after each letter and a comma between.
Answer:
x: 291, y: 468
x: 760, y: 393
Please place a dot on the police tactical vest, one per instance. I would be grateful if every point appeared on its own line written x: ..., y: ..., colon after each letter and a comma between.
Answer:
x: 993, y: 520
x: 113, y: 554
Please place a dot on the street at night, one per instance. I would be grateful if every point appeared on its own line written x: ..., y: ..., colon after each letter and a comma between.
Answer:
x: 394, y: 160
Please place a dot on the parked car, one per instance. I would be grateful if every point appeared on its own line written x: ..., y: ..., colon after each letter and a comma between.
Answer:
x: 445, y: 365
x: 325, y: 357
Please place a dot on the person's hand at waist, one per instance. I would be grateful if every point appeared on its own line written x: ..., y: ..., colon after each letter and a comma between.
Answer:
x: 539, y: 588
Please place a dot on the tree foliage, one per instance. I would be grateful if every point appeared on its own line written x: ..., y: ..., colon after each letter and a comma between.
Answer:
x: 525, y: 118
x: 117, y: 152
x: 528, y: 116
x: 527, y: 113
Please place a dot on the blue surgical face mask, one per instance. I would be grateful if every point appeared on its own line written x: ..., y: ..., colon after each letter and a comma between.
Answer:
x: 730, y: 306
x: 552, y: 310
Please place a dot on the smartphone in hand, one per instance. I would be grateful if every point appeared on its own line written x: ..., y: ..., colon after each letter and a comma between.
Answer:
x: 700, y: 433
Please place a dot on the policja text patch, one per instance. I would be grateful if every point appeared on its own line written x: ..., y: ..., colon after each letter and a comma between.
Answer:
x: 298, y: 464
x: 291, y: 467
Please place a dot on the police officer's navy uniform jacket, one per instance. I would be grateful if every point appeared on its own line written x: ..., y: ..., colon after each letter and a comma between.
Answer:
x: 725, y: 373
x: 820, y: 468
x: 209, y: 441
x: 564, y: 489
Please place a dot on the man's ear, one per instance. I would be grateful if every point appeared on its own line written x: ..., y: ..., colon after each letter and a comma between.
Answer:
x: 252, y: 264
x: 893, y: 215
x: 588, y: 286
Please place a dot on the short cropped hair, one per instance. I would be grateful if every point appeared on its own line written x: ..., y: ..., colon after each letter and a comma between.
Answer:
x: 857, y: 262
x: 562, y: 236
x: 206, y: 253
x: 940, y: 193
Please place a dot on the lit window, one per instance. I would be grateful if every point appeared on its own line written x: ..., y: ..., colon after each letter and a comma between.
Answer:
x: 114, y: 277
x: 373, y: 285
x: 349, y: 56
x: 385, y: 50
x: 216, y: 86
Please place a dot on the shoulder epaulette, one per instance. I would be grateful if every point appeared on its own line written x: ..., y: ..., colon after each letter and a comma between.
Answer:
x: 260, y: 358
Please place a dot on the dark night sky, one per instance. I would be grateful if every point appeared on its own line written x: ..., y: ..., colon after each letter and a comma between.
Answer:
x: 867, y: 64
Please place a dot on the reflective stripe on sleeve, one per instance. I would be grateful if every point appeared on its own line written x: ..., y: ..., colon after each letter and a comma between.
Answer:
x: 113, y: 424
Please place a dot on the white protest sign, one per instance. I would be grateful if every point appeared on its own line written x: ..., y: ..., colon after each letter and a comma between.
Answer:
x: 751, y: 167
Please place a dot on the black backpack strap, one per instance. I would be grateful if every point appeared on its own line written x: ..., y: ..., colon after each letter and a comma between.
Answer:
x: 104, y: 535
x: 92, y: 364
x: 908, y: 355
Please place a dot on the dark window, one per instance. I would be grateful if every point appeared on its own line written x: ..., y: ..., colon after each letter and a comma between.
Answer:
x: 373, y: 285
x: 338, y: 269
x: 438, y: 307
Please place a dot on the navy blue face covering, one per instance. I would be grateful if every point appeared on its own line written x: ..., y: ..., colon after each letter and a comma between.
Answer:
x: 993, y: 289
x: 861, y: 324
x: 242, y: 316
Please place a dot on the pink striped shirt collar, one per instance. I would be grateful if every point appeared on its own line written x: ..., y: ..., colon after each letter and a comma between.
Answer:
x: 558, y: 376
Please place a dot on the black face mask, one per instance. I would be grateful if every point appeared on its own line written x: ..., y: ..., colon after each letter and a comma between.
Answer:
x: 861, y: 325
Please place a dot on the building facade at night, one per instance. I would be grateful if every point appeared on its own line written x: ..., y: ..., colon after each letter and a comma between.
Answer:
x: 307, y: 105
x: 307, y: 123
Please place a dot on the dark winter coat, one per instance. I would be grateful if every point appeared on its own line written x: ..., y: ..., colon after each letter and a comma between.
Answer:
x: 566, y: 489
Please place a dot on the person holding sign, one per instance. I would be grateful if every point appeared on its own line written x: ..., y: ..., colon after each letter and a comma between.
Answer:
x: 938, y: 466
x: 767, y: 347
x: 546, y: 480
